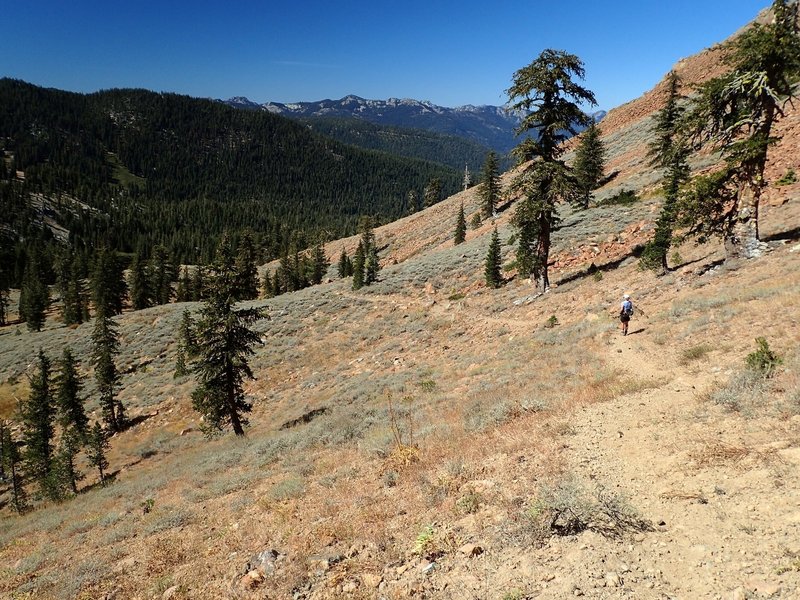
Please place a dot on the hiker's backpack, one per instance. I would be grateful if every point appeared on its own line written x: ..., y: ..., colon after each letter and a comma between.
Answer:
x: 627, y: 307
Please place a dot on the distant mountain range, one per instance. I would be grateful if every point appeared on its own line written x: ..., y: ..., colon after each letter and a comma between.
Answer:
x: 489, y: 126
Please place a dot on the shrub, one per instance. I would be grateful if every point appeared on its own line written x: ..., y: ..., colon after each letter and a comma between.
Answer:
x: 621, y: 198
x: 567, y: 508
x: 551, y: 322
x: 788, y: 178
x: 743, y: 390
x: 763, y: 361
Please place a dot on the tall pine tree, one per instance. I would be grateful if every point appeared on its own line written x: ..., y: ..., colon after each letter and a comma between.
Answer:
x: 38, y: 417
x: 246, y: 268
x: 460, y: 234
x: 590, y: 160
x: 12, y: 466
x: 492, y: 269
x: 71, y: 413
x: 546, y: 93
x: 105, y: 347
x: 35, y: 293
x: 225, y: 342
x: 668, y: 151
x: 489, y: 188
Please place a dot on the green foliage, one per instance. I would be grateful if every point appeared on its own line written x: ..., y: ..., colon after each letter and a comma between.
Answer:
x: 475, y: 221
x: 149, y: 168
x: 492, y: 269
x: 788, y: 178
x: 246, y: 268
x: 551, y: 322
x: 320, y: 263
x: 358, y: 266
x: 105, y: 346
x: 433, y: 192
x: 11, y: 466
x: 621, y: 198
x: 37, y: 414
x: 71, y: 414
x: 108, y: 284
x: 735, y: 113
x: 451, y: 150
x: 546, y: 93
x: 139, y: 284
x: 489, y: 190
x: 460, y: 234
x: 225, y: 342
x: 589, y: 164
x: 669, y: 151
x: 345, y: 266
x: 35, y: 293
x: 763, y: 361
x: 162, y: 274
x: 96, y: 448
x: 65, y: 469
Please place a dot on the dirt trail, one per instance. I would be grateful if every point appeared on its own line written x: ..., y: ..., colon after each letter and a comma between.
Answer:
x: 709, y: 522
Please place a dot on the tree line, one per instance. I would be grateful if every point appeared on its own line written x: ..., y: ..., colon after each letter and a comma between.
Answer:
x: 134, y: 169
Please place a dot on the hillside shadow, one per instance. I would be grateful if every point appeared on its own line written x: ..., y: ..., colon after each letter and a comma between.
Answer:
x: 131, y: 423
x: 593, y: 268
x: 110, y: 478
x: 791, y: 234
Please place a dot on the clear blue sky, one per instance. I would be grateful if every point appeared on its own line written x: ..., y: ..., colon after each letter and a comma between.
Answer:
x: 450, y: 53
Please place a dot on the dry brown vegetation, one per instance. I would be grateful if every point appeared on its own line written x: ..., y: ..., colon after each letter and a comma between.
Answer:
x: 451, y: 425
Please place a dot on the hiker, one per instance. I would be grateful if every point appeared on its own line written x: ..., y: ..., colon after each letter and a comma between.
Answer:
x: 625, y: 313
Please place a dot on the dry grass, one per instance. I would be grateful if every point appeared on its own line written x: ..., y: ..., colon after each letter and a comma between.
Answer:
x: 715, y: 453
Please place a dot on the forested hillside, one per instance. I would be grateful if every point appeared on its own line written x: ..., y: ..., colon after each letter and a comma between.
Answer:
x: 451, y: 150
x: 133, y: 169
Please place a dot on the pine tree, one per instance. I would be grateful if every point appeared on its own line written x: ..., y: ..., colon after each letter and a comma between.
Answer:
x: 76, y: 309
x: 5, y: 288
x: 492, y: 270
x: 358, y: 266
x: 736, y: 114
x: 181, y: 370
x: 65, y: 465
x: 589, y: 164
x: 96, y: 450
x: 371, y: 266
x: 139, y: 284
x: 12, y: 466
x: 105, y: 346
x: 433, y: 192
x: 225, y: 341
x: 546, y: 93
x: 489, y: 189
x: 412, y: 200
x: 199, y: 283
x: 667, y: 151
x: 71, y: 414
x: 246, y: 268
x: 108, y: 283
x: 186, y: 334
x: 35, y: 293
x: 162, y: 274
x: 461, y: 227
x: 184, y: 290
x: 38, y: 415
x: 320, y: 264
x: 341, y: 267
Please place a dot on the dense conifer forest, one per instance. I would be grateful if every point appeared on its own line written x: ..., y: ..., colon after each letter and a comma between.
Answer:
x: 133, y: 169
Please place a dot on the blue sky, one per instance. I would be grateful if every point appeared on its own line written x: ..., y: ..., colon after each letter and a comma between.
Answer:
x: 450, y: 53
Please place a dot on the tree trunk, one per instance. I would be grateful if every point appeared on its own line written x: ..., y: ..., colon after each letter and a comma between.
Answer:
x: 543, y: 251
x: 742, y: 239
x: 230, y: 397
